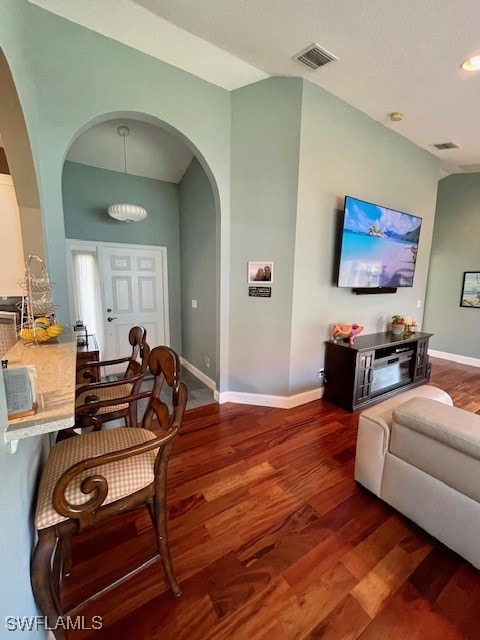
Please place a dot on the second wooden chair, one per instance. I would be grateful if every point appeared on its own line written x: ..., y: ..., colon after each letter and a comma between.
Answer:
x: 128, y: 384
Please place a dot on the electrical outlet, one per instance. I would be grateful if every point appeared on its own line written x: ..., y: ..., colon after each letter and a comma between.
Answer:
x: 194, y: 304
x: 419, y: 304
x: 207, y: 362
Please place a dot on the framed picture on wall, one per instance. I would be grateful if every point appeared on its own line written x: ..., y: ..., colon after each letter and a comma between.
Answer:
x: 260, y: 271
x: 471, y: 290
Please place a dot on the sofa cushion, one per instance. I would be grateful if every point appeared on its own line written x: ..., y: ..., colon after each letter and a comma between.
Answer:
x: 381, y: 413
x: 124, y: 477
x: 107, y: 393
x: 441, y: 440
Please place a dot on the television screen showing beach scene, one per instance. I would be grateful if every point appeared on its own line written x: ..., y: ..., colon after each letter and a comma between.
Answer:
x: 379, y: 246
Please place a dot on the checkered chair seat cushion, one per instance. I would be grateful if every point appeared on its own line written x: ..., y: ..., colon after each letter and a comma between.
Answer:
x: 107, y: 393
x: 124, y: 477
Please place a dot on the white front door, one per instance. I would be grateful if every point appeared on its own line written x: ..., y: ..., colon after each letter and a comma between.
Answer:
x: 135, y: 292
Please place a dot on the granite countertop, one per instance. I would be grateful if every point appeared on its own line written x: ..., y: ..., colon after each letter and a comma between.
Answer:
x: 55, y: 364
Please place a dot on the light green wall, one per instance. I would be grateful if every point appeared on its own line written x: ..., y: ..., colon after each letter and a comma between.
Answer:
x: 455, y: 249
x: 198, y: 250
x: 344, y: 152
x: 87, y: 193
x: 19, y: 474
x: 265, y: 154
x: 296, y: 152
x: 70, y: 77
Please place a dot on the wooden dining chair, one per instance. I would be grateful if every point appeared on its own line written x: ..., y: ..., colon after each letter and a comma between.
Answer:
x: 91, y: 478
x: 129, y: 384
x: 89, y: 372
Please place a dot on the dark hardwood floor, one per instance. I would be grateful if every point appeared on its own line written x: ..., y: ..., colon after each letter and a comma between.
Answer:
x: 271, y: 538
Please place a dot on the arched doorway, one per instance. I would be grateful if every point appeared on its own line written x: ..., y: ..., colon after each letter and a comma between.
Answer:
x: 166, y: 174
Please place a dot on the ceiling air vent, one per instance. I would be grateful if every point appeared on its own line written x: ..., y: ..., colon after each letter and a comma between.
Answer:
x: 314, y: 56
x: 447, y: 145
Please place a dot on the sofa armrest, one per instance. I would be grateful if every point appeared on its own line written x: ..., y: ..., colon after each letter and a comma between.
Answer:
x: 374, y: 425
x: 372, y: 443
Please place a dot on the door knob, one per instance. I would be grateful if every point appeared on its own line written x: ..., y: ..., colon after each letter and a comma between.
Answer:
x: 110, y: 318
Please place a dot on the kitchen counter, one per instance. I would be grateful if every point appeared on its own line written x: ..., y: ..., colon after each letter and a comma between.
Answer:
x: 55, y: 364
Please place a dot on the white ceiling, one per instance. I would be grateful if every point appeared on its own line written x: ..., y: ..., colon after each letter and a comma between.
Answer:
x: 152, y: 152
x: 393, y: 56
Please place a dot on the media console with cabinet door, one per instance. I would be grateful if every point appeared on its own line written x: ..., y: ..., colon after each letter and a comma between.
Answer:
x: 377, y: 366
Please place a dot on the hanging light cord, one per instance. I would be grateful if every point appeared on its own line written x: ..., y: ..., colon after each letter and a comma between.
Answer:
x: 124, y: 136
x: 125, y: 152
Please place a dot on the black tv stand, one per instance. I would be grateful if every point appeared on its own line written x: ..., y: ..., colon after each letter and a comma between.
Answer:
x: 376, y: 367
x: 362, y: 291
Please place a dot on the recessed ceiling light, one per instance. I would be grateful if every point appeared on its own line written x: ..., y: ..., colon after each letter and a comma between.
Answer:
x: 472, y: 64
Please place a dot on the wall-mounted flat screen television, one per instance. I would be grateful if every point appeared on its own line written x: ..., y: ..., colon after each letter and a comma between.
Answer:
x: 379, y: 246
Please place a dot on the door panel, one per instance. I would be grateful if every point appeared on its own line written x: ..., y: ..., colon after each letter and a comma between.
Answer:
x: 122, y: 294
x: 153, y: 337
x: 120, y: 263
x: 147, y: 294
x: 145, y: 264
x: 120, y: 339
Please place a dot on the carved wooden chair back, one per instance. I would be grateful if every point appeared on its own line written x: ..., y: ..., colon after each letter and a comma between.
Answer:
x: 129, y: 384
x: 136, y: 362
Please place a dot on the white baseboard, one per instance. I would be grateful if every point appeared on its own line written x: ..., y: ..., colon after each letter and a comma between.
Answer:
x: 264, y: 400
x: 199, y: 374
x: 472, y: 362
x: 257, y: 399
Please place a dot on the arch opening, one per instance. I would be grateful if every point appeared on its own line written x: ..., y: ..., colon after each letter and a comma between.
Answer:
x: 183, y: 214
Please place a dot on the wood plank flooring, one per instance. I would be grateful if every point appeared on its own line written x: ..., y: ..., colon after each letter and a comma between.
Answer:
x: 271, y: 538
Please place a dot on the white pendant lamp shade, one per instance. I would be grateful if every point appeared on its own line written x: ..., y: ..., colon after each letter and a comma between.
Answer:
x: 127, y: 212
x: 124, y: 212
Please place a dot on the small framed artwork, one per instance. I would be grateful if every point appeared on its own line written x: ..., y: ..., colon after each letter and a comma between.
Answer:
x: 260, y: 271
x: 471, y: 290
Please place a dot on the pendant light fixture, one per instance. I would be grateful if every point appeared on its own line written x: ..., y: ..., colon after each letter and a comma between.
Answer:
x: 126, y: 212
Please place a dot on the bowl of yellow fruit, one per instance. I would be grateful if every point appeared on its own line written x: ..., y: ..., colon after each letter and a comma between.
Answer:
x: 40, y: 330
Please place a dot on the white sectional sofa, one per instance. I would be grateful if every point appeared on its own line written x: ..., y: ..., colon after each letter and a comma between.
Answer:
x: 422, y: 456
